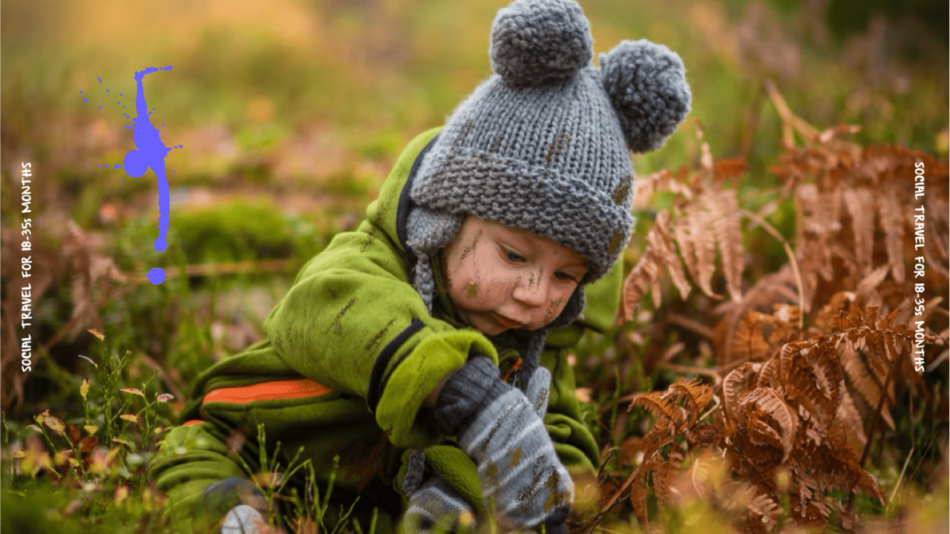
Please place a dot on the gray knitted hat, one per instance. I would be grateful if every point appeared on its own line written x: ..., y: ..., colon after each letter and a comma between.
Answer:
x: 543, y: 144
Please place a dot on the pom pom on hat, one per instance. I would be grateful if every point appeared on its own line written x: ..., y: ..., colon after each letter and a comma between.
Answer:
x: 646, y: 84
x: 540, y: 41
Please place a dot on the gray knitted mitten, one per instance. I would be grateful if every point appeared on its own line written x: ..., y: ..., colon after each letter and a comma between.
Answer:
x: 499, y: 428
x: 436, y: 503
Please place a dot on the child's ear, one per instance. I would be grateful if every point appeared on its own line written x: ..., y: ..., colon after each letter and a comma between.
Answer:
x: 646, y: 83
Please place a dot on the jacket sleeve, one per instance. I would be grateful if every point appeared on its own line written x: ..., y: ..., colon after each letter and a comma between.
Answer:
x: 350, y: 305
x: 573, y: 441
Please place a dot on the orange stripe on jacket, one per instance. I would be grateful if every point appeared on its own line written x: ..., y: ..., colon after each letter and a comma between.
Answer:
x: 278, y: 389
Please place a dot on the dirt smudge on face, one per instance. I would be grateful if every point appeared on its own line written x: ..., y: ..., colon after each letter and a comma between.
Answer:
x: 553, y: 310
x: 471, y: 248
x: 471, y: 290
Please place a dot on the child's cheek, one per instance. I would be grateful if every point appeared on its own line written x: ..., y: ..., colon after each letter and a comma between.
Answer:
x: 553, y: 310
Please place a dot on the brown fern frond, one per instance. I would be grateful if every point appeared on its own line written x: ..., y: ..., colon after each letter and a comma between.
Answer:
x: 697, y: 242
x: 697, y: 397
x: 724, y: 210
x: 638, y: 500
x: 664, y: 242
x: 737, y: 382
x: 860, y: 204
x: 660, y: 404
x: 749, y: 340
x: 851, y: 424
x: 770, y: 403
x: 801, y: 367
x: 861, y: 381
x: 892, y: 222
x: 658, y: 254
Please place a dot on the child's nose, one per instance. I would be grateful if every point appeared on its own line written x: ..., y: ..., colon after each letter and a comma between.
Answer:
x: 532, y: 292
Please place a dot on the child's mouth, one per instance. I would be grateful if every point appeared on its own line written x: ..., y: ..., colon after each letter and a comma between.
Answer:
x: 504, y: 321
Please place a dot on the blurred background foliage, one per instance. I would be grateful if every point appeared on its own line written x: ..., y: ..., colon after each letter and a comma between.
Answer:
x: 291, y: 113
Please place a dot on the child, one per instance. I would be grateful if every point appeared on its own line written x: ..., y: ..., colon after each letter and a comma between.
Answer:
x: 397, y: 346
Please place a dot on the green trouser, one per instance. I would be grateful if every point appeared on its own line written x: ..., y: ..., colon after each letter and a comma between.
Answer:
x: 326, y: 424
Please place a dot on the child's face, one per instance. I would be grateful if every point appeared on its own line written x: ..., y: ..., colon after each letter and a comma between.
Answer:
x: 501, y: 277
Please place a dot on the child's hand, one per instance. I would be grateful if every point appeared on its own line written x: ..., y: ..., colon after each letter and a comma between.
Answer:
x: 239, y: 502
x: 539, y: 390
x: 499, y: 428
x: 243, y: 519
x: 436, y: 506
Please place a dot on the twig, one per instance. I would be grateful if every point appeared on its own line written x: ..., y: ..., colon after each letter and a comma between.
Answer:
x: 210, y: 269
x: 686, y: 369
x: 789, y: 119
x: 791, y: 260
x: 899, y: 479
x: 877, y: 415
x: 691, y: 325
x: 164, y: 376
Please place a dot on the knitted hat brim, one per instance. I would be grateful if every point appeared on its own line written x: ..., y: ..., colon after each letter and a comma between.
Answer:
x: 536, y: 199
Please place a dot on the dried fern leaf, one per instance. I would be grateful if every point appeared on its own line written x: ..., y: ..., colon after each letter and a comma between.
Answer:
x: 697, y: 242
x: 749, y: 342
x: 770, y: 402
x: 737, y: 382
x: 803, y: 386
x: 851, y: 423
x: 869, y: 389
x: 638, y: 500
x: 892, y: 222
x: 697, y: 397
x: 660, y: 404
x: 726, y: 225
x: 860, y: 204
x: 664, y: 243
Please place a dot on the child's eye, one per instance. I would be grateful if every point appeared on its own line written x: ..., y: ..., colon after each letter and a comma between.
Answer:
x: 564, y: 276
x: 513, y: 256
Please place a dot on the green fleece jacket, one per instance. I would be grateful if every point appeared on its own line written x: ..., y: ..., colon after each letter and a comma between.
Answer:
x: 350, y: 353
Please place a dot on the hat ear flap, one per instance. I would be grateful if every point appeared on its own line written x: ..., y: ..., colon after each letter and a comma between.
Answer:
x: 646, y: 84
x: 575, y: 305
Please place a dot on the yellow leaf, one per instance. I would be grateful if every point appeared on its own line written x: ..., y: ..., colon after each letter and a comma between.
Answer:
x: 133, y: 391
x: 50, y: 421
x: 19, y: 454
x: 84, y: 388
x: 122, y: 441
x: 129, y: 417
x: 91, y: 429
x: 96, y: 333
x: 74, y: 462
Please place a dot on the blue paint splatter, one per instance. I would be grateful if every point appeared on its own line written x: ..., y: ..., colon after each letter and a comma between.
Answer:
x: 107, y: 90
x: 150, y: 152
x: 100, y: 80
x: 156, y: 275
x: 85, y: 99
x: 100, y: 107
x: 107, y: 165
x: 117, y: 166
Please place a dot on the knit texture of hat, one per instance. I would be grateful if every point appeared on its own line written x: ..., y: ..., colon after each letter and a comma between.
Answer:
x: 544, y: 143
